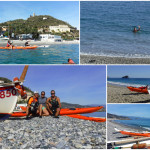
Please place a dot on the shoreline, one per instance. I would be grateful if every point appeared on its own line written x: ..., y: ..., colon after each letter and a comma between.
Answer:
x: 120, y: 94
x: 93, y: 59
x: 38, y: 43
x: 112, y: 135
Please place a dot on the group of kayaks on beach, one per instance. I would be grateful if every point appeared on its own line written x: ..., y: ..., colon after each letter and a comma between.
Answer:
x: 40, y: 105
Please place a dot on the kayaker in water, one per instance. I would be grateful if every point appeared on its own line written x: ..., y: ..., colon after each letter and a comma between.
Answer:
x: 9, y: 44
x: 136, y: 30
x: 53, y: 105
x: 42, y: 105
x: 70, y: 61
x: 27, y: 43
x: 33, y: 105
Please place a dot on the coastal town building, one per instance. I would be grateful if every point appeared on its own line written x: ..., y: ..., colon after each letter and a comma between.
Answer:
x: 24, y: 36
x: 50, y: 38
x: 4, y: 28
x: 60, y: 28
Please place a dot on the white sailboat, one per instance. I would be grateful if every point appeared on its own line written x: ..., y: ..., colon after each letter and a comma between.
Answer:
x: 9, y: 94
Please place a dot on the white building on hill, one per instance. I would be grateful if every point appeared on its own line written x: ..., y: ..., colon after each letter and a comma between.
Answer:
x: 50, y: 38
x: 60, y: 28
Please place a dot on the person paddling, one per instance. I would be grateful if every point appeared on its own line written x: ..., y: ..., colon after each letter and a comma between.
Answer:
x: 136, y: 30
x: 9, y: 44
x: 26, y: 43
x: 53, y: 104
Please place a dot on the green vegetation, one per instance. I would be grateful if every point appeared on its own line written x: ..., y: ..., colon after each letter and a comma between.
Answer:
x: 31, y: 25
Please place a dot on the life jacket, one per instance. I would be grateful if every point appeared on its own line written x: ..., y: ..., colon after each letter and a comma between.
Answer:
x: 21, y: 91
x: 54, y: 102
x: 34, y: 104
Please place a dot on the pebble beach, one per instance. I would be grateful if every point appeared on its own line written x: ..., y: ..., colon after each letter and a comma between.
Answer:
x: 93, y: 59
x: 52, y: 133
x: 118, y: 94
x: 112, y: 135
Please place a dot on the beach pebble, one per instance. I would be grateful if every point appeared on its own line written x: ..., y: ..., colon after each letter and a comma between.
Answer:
x: 48, y: 133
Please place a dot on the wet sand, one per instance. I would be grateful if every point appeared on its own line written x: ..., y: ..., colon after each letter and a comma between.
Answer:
x: 118, y: 94
x: 92, y: 59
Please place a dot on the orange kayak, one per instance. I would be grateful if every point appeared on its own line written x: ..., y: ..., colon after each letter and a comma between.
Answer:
x: 19, y: 47
x: 65, y: 111
x: 138, y: 89
x: 78, y: 116
x: 147, y: 134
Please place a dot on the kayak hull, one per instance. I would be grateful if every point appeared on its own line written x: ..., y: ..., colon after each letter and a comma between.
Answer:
x: 88, y: 118
x: 19, y: 47
x: 138, y: 89
x: 65, y: 111
x: 145, y: 134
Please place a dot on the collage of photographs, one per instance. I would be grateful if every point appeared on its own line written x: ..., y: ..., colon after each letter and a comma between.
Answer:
x: 75, y: 74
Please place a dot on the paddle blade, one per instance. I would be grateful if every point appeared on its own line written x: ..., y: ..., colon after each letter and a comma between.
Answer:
x: 22, y: 77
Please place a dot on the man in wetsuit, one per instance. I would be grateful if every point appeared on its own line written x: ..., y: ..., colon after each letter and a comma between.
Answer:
x: 42, y: 105
x: 26, y: 43
x: 53, y: 104
x: 33, y: 105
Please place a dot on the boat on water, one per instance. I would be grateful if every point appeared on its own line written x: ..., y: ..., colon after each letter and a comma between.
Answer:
x: 19, y: 47
x: 143, y: 89
x: 9, y: 93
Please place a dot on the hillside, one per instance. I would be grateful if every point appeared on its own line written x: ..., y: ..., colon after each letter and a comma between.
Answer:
x: 9, y: 81
x: 116, y: 117
x: 31, y: 25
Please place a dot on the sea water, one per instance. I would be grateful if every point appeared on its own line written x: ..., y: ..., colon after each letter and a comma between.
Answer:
x: 129, y: 81
x: 137, y: 123
x: 54, y: 54
x: 106, y: 28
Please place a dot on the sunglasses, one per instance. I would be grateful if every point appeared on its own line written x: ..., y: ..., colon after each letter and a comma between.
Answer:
x: 42, y: 94
x: 52, y: 93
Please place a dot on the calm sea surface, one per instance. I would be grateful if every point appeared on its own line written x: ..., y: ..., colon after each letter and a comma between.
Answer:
x: 136, y: 122
x: 106, y: 28
x: 54, y: 54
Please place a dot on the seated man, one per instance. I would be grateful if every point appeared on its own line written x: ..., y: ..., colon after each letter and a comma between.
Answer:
x: 53, y: 104
x: 27, y: 43
x: 33, y: 105
x: 42, y: 105
x: 9, y: 44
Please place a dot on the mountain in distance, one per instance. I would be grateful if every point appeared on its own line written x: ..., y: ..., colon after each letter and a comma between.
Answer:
x: 117, y: 117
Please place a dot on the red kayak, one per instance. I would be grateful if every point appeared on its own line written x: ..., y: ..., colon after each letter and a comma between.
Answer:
x: 138, y: 89
x: 19, y: 47
x: 65, y: 111
x: 88, y: 118
x: 130, y: 133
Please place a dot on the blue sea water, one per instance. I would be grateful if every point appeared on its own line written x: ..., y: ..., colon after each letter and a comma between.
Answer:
x: 129, y: 81
x: 106, y: 28
x: 96, y: 114
x: 54, y: 54
x: 137, y: 123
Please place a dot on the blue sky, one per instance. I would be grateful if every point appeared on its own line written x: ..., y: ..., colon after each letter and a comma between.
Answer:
x: 64, y: 10
x: 134, y: 71
x: 74, y: 84
x: 137, y: 110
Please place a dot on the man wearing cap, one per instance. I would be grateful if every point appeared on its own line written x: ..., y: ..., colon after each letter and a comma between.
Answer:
x: 33, y: 105
x: 42, y: 105
x: 53, y: 104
